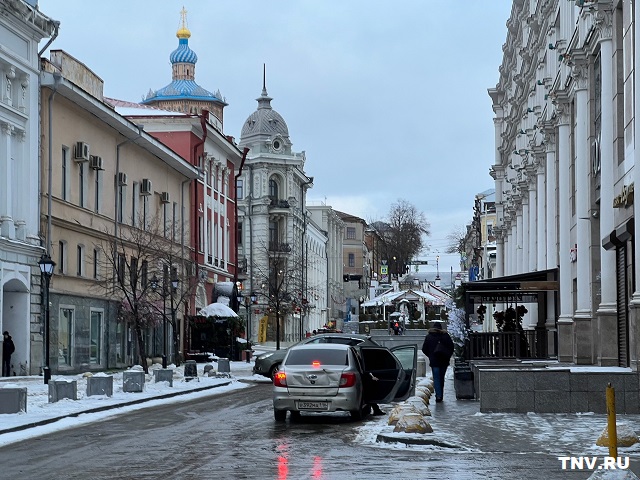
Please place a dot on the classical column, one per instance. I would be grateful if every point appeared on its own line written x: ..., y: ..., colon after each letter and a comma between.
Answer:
x: 634, y: 310
x: 524, y: 244
x: 565, y: 320
x: 583, y: 315
x: 607, y: 344
x: 6, y: 192
x: 551, y: 205
x: 533, y: 221
x: 518, y: 238
x: 540, y: 218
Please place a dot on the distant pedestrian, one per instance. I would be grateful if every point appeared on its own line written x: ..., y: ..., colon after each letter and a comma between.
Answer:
x: 7, y: 349
x: 438, y: 346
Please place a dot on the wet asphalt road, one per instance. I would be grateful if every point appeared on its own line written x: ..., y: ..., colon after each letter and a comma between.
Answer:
x: 234, y: 436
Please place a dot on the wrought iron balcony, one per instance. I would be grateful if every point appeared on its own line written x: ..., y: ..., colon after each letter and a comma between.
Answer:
x: 279, y: 247
x: 277, y: 203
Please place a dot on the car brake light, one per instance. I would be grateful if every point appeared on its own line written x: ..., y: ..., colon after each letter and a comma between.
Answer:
x: 347, y: 380
x: 315, y: 364
x: 280, y: 379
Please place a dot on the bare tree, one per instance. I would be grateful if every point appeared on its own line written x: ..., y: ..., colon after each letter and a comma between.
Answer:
x: 402, y: 233
x: 456, y: 240
x: 131, y: 265
x: 278, y: 274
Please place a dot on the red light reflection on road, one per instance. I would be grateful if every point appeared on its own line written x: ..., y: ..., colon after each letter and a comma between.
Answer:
x: 317, y: 467
x: 283, y: 462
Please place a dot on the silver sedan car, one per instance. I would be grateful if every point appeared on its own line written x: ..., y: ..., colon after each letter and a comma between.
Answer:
x: 334, y: 377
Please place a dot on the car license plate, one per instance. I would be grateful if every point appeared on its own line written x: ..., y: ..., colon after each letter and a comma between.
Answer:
x: 313, y: 405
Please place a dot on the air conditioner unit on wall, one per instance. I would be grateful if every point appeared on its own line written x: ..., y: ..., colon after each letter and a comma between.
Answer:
x: 122, y: 178
x: 164, y: 197
x: 81, y: 153
x: 96, y: 162
x: 146, y: 187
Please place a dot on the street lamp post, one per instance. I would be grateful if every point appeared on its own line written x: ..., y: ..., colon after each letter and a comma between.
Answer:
x: 174, y: 288
x: 46, y: 269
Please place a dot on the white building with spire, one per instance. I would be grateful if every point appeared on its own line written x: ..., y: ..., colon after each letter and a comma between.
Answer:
x: 275, y: 231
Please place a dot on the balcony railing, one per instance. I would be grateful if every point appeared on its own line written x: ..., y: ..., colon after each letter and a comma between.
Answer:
x: 525, y: 344
x: 276, y: 203
x: 279, y: 247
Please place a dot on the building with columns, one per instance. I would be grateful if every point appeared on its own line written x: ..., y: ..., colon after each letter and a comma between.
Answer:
x: 566, y: 146
x: 22, y: 26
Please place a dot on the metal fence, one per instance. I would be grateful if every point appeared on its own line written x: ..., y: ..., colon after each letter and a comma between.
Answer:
x: 524, y: 344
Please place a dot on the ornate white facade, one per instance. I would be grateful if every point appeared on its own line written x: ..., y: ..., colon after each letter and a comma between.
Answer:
x: 272, y: 213
x: 21, y: 28
x: 565, y: 109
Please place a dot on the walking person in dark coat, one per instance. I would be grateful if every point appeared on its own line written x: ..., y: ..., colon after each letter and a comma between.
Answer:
x: 438, y: 346
x: 7, y: 349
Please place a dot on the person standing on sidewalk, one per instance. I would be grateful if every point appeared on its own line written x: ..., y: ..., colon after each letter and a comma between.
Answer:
x: 7, y: 349
x: 438, y: 346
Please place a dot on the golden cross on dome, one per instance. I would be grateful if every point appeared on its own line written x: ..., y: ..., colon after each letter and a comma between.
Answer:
x: 183, y: 16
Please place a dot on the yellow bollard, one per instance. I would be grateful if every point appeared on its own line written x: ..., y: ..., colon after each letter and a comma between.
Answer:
x: 611, y: 421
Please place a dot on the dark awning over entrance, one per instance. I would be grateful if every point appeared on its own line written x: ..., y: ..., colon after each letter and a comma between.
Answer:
x: 521, y: 288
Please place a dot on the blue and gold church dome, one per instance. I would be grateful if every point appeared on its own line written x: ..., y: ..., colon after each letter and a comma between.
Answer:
x: 183, y: 85
x: 183, y: 54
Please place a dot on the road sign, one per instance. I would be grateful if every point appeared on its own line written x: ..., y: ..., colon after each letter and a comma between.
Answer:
x: 419, y: 262
x: 384, y: 269
x: 383, y: 262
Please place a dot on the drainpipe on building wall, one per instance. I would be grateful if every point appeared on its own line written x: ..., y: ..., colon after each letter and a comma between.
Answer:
x: 305, y: 254
x: 203, y: 123
x: 117, y: 185
x: 244, y: 157
x: 57, y: 77
x: 56, y: 26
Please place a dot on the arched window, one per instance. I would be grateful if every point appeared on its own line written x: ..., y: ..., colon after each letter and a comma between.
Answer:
x: 273, y: 189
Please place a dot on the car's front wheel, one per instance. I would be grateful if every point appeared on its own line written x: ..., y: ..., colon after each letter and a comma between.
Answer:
x: 279, y: 415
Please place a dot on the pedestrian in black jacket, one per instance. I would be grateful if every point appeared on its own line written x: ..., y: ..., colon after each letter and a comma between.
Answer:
x: 7, y: 349
x: 438, y: 346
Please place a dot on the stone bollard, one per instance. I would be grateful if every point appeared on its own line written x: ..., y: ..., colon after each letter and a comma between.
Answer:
x: 133, y: 381
x: 100, y: 385
x: 164, y: 375
x: 59, y: 389
x: 223, y: 365
x: 190, y: 370
x: 13, y: 399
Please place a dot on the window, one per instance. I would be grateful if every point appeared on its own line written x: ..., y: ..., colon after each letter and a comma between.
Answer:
x: 174, y: 222
x: 145, y: 275
x: 239, y: 189
x: 96, y: 263
x: 145, y: 212
x: 120, y: 269
x: 65, y: 336
x: 81, y: 184
x: 120, y: 194
x: 61, y: 256
x: 239, y: 233
x: 95, y: 337
x: 80, y: 260
x: 273, y: 189
x: 352, y: 260
x: 65, y: 172
x: 351, y: 233
x: 489, y: 230
x: 98, y: 182
x: 134, y: 204
x: 273, y: 232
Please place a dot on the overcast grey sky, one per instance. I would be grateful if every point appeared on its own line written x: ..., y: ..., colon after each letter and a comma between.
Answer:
x: 387, y: 98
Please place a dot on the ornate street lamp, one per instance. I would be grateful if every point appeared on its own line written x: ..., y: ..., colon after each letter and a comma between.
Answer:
x: 46, y: 269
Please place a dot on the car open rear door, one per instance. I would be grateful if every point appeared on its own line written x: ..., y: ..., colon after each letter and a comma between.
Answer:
x: 382, y: 374
x: 407, y: 355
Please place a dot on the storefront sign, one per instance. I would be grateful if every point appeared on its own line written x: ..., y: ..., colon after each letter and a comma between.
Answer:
x: 625, y: 199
